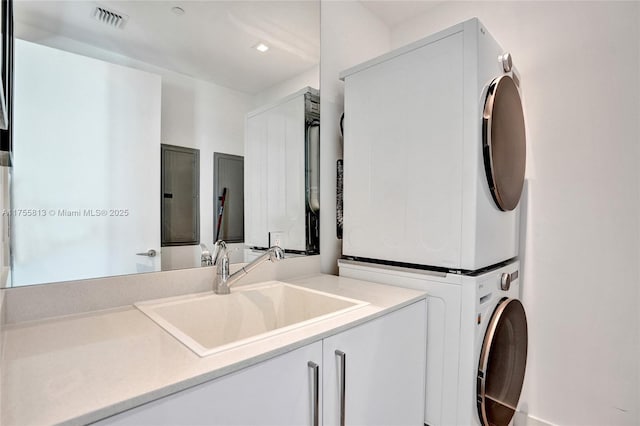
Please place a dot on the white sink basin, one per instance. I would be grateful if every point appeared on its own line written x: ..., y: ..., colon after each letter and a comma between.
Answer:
x: 210, y: 323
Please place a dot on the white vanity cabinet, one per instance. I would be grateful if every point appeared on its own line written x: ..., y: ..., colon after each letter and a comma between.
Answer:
x: 374, y: 374
x: 383, y: 383
x: 275, y: 392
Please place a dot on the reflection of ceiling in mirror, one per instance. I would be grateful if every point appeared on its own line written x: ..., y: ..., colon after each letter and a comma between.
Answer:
x: 211, y: 41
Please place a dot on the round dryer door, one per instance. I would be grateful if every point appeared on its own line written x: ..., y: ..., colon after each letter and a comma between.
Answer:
x: 504, y: 142
x: 502, y: 364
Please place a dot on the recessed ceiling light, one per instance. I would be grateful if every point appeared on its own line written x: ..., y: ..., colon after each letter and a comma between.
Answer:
x: 261, y: 47
x: 177, y: 10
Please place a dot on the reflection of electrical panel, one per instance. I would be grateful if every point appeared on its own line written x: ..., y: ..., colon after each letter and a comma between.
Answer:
x: 180, y: 199
x: 282, y: 174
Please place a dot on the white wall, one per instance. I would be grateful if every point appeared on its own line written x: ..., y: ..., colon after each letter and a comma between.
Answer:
x: 580, y: 66
x: 350, y: 34
x: 202, y: 115
x: 310, y: 78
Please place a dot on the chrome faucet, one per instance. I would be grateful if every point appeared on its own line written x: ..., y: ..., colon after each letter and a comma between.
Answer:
x: 224, y: 280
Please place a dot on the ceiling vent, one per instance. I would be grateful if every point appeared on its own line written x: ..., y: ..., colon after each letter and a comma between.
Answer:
x: 110, y: 17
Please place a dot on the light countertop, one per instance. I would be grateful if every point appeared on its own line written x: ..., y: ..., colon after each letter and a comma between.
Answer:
x: 81, y: 368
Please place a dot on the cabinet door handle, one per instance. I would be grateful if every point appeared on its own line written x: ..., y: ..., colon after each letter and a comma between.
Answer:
x: 315, y: 389
x: 342, y: 384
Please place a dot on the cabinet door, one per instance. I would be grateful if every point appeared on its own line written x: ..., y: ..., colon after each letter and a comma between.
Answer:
x: 286, y: 174
x: 275, y: 392
x: 255, y: 182
x: 275, y: 176
x: 384, y: 371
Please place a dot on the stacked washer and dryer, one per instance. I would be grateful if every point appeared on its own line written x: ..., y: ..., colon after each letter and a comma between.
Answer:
x: 434, y: 159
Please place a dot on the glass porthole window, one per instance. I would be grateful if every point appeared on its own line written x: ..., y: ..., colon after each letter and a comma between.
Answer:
x: 504, y: 142
x: 502, y: 364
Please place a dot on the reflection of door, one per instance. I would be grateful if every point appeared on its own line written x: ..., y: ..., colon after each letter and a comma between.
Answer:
x: 87, y: 142
x: 228, y: 172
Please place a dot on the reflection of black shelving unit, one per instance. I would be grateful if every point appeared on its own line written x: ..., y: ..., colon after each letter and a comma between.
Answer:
x: 228, y: 172
x: 312, y: 172
x: 339, y: 195
x: 6, y: 136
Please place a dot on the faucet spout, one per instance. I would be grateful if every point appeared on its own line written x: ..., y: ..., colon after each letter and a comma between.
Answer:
x: 224, y: 281
x: 219, y: 250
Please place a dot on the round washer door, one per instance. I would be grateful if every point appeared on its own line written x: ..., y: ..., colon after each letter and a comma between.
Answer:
x: 504, y: 142
x: 502, y: 364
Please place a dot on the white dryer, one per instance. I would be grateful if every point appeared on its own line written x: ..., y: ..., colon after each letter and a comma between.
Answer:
x: 434, y: 153
x: 476, y: 340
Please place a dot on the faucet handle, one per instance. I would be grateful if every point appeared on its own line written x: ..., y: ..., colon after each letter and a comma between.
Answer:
x: 275, y: 253
x: 219, y: 250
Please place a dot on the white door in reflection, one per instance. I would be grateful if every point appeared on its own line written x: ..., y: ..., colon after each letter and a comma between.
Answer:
x: 86, y: 174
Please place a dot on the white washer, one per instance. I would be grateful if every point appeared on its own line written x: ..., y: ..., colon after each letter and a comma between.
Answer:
x: 476, y: 340
x: 434, y: 153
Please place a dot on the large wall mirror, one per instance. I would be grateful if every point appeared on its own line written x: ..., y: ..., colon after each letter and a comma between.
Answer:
x: 144, y: 130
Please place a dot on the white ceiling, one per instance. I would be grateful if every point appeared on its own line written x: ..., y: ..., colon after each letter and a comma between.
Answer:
x: 212, y: 41
x: 393, y: 12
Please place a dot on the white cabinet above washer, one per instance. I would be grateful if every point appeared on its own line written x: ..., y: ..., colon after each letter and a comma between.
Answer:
x: 415, y: 186
x: 281, y: 169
